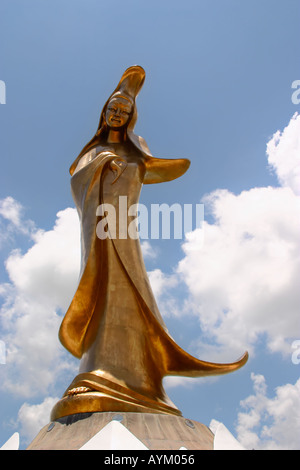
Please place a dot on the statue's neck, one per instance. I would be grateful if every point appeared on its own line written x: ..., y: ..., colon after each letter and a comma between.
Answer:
x: 116, y: 136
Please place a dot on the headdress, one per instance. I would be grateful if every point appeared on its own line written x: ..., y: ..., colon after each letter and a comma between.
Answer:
x: 129, y: 86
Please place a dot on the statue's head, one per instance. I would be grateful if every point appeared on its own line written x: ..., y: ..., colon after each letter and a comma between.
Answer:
x: 125, y: 93
x: 119, y: 110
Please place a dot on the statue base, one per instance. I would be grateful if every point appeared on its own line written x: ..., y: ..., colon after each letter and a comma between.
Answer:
x: 91, y: 402
x: 90, y: 393
x: 155, y: 431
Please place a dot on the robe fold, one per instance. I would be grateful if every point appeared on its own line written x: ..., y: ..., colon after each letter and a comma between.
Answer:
x: 113, y: 323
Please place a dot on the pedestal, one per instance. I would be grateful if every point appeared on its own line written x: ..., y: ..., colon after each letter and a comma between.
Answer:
x: 155, y: 431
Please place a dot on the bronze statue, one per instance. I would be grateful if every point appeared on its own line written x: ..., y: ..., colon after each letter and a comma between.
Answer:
x: 113, y: 323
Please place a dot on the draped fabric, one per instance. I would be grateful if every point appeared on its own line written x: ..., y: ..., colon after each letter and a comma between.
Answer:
x: 113, y: 323
x: 114, y: 307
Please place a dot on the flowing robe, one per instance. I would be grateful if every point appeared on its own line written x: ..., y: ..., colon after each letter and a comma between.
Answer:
x: 113, y: 323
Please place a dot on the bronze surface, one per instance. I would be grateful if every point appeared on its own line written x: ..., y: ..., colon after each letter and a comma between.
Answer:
x: 113, y: 323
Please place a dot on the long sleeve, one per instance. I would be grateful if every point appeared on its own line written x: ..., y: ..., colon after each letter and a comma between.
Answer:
x: 160, y: 170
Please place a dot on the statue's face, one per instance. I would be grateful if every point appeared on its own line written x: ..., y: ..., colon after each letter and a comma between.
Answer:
x: 118, y: 112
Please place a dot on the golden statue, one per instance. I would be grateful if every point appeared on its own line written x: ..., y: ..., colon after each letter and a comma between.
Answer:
x: 113, y: 323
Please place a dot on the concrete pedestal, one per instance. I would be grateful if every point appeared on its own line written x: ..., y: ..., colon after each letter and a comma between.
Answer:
x: 154, y: 431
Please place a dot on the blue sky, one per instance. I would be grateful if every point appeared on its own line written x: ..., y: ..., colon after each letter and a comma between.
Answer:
x: 218, y: 88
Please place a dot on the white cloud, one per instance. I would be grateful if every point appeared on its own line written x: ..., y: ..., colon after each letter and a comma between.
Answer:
x: 161, y: 282
x: 42, y: 282
x: 165, y: 290
x: 148, y: 251
x: 11, y: 213
x: 32, y: 418
x: 283, y: 154
x: 270, y: 423
x: 49, y: 270
x: 11, y: 210
x: 243, y: 280
x: 186, y: 382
